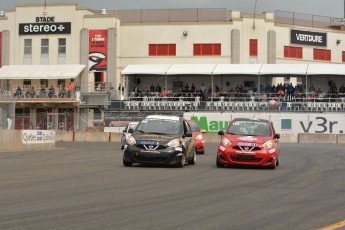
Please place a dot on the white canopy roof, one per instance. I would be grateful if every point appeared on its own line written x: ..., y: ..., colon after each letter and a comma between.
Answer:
x: 146, y: 69
x: 326, y: 69
x: 250, y: 69
x: 284, y: 69
x: 206, y: 69
x: 239, y: 69
x: 40, y: 71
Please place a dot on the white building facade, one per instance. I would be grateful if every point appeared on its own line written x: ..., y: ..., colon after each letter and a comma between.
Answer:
x: 92, y: 48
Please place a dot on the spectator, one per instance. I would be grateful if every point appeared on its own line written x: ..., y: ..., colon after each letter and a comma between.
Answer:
x: 152, y: 88
x: 192, y: 88
x: 290, y: 92
x: 70, y: 89
x: 186, y: 88
x: 158, y: 88
x: 18, y: 92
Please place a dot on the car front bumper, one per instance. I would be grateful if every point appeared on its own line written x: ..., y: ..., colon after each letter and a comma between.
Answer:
x: 263, y: 157
x: 168, y: 156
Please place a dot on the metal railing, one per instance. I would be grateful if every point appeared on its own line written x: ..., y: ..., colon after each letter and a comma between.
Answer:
x: 307, y: 20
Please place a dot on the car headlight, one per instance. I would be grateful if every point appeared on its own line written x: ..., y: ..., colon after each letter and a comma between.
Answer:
x: 199, y: 137
x: 131, y: 141
x: 174, y: 143
x: 226, y: 142
x: 268, y: 144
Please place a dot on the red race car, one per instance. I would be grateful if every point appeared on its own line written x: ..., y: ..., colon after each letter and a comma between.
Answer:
x: 198, y: 136
x: 249, y: 142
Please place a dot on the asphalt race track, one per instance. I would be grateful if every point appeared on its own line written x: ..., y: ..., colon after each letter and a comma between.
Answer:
x: 85, y: 186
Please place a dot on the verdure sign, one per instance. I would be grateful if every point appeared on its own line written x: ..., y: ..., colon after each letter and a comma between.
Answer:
x: 44, y: 25
x: 308, y: 38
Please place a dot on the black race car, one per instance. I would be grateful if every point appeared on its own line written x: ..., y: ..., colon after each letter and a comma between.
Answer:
x: 166, y: 140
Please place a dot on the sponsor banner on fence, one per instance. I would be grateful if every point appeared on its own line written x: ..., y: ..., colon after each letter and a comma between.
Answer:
x: 38, y: 136
x: 318, y: 123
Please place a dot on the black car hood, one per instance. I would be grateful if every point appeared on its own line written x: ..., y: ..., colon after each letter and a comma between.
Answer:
x: 161, y: 138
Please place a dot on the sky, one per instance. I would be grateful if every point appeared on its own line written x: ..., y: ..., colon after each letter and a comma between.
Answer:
x: 330, y: 8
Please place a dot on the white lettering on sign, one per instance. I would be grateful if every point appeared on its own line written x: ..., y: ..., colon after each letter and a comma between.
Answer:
x: 309, y: 38
x: 43, y: 28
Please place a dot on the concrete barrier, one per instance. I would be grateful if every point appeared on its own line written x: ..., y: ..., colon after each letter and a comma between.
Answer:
x: 91, y: 137
x: 341, y: 139
x: 288, y: 138
x: 317, y: 138
x: 11, y: 140
x: 64, y: 136
x: 115, y: 137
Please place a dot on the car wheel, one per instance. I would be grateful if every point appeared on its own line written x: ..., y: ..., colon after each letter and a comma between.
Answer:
x: 193, y: 160
x: 182, y: 161
x: 219, y: 165
x: 126, y: 162
x: 276, y: 163
x: 200, y: 152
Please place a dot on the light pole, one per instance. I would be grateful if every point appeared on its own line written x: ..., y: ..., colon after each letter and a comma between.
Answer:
x: 254, y: 14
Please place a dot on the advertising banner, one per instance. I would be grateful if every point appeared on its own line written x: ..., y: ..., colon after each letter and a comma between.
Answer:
x: 317, y: 123
x: 38, y: 136
x: 97, y: 50
x: 308, y: 38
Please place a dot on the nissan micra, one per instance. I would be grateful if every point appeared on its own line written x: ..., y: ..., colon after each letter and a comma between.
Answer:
x: 249, y: 142
x: 157, y: 139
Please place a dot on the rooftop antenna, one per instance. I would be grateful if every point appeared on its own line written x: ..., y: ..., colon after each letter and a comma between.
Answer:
x: 254, y: 14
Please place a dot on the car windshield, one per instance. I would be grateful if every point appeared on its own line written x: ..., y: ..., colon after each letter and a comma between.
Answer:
x: 132, y: 126
x: 250, y: 128
x: 159, y: 126
x: 194, y: 127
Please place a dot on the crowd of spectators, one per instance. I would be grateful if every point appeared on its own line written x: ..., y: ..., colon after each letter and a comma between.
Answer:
x: 280, y: 92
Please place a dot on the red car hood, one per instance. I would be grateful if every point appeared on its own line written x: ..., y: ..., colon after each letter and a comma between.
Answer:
x: 250, y: 139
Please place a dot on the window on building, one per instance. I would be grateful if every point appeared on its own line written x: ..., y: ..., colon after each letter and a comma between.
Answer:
x: 62, y: 51
x: 207, y: 49
x: 27, y: 52
x: 45, y: 51
x: 97, y: 114
x: 322, y: 54
x: 293, y: 52
x: 162, y: 49
x: 253, y: 47
x: 44, y: 83
x: 27, y: 82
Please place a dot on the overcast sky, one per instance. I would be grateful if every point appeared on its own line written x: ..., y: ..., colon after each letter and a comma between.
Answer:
x: 331, y: 8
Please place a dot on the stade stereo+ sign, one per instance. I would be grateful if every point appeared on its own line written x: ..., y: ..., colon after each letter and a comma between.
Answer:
x: 44, y: 25
x: 308, y: 38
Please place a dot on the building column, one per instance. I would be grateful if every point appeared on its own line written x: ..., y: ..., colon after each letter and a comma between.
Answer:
x: 235, y: 47
x: 84, y: 60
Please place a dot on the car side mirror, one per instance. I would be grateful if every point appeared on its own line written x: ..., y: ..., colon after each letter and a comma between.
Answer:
x: 221, y: 132
x: 277, y: 136
x: 203, y: 131
x: 188, y: 134
x: 130, y: 130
